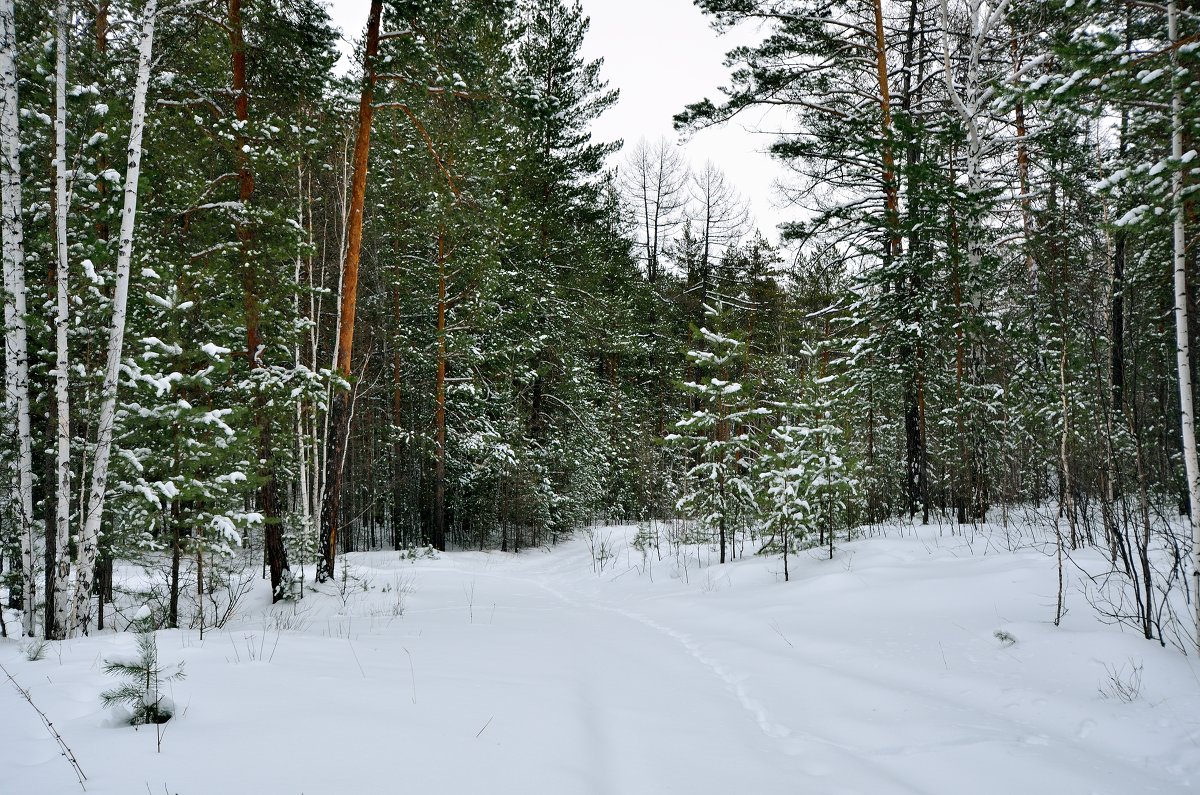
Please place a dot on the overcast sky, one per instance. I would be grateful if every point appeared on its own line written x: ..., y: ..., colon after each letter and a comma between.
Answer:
x: 662, y: 55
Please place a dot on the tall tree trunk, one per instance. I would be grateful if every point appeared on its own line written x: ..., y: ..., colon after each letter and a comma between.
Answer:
x: 90, y: 535
x: 962, y: 480
x: 104, y: 562
x: 268, y: 490
x: 1187, y: 420
x: 914, y: 438
x: 16, y: 380
x: 339, y: 414
x: 1117, y: 376
x: 397, y: 439
x: 60, y: 614
x: 439, y: 482
x: 967, y: 103
x: 890, y: 186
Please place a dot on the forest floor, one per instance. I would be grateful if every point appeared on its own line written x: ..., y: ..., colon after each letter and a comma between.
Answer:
x: 879, y: 671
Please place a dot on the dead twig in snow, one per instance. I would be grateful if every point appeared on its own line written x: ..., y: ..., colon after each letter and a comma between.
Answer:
x: 58, y: 738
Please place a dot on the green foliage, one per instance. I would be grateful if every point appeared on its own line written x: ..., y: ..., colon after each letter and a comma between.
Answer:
x: 144, y: 678
x: 719, y: 434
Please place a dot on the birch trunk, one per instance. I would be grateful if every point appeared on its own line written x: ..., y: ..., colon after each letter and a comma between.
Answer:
x: 90, y: 535
x: 968, y: 110
x: 966, y: 103
x: 1187, y: 420
x: 301, y: 443
x: 16, y: 357
x: 62, y: 515
x: 1022, y: 130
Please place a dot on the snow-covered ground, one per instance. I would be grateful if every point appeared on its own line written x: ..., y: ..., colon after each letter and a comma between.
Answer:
x: 879, y: 671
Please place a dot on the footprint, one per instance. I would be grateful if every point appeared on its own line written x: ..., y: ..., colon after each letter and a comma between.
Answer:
x: 1085, y: 729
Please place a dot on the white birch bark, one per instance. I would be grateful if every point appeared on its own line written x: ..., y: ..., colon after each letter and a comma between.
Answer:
x: 320, y: 441
x: 301, y: 449
x: 62, y: 517
x: 16, y: 358
x: 969, y: 103
x: 90, y: 535
x: 1187, y: 417
x: 301, y: 442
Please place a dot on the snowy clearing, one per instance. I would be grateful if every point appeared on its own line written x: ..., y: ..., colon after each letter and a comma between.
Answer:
x: 880, y: 671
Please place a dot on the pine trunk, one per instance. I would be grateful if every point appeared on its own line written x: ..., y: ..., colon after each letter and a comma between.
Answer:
x: 339, y: 414
x: 268, y: 490
x: 439, y: 482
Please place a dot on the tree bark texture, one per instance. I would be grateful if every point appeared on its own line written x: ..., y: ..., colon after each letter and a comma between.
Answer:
x: 339, y: 414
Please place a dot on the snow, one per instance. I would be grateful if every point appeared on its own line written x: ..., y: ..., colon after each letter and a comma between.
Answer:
x: 1133, y: 216
x: 89, y: 270
x: 1146, y: 77
x: 567, y: 671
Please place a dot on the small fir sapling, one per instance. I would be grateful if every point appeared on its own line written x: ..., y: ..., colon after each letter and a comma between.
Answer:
x: 413, y: 553
x: 141, y: 692
x: 300, y: 537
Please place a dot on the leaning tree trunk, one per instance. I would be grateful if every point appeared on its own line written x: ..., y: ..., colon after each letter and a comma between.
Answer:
x: 90, y: 536
x: 104, y: 562
x: 268, y: 490
x: 339, y: 413
x: 16, y: 356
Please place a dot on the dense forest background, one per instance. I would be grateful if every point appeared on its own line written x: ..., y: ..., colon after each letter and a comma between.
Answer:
x: 252, y: 304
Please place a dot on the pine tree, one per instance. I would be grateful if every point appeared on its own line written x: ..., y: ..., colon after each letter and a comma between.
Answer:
x: 719, y: 435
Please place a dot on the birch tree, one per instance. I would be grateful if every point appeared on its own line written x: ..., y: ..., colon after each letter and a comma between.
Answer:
x: 16, y: 354
x: 90, y: 534
x: 969, y: 103
x: 58, y: 616
x: 1187, y: 417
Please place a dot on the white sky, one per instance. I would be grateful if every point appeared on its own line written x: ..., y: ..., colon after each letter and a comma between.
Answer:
x: 662, y: 55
